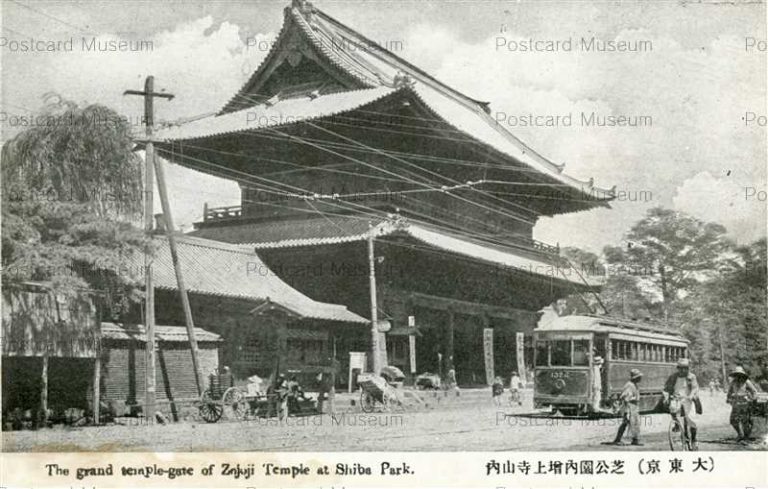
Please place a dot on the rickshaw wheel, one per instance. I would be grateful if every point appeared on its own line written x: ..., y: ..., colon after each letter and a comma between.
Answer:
x: 367, y: 402
x: 209, y: 409
x: 235, y: 403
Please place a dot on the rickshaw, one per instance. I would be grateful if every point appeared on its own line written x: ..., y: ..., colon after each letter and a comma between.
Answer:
x: 384, y: 389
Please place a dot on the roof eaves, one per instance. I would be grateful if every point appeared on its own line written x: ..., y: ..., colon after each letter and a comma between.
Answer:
x: 308, y: 31
x: 551, y: 169
x: 405, y: 64
x: 241, y: 94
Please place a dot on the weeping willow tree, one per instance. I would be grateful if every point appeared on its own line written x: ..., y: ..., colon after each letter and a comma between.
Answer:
x: 71, y: 199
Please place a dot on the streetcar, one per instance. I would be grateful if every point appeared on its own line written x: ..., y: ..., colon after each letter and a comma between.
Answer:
x: 568, y: 372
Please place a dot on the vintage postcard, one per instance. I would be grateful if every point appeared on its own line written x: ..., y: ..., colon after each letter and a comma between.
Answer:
x: 384, y: 243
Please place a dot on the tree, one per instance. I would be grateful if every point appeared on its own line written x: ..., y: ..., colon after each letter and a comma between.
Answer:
x: 673, y: 252
x: 620, y: 292
x: 729, y: 314
x: 72, y: 188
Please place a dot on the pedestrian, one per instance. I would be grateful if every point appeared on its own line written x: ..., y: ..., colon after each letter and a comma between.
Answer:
x: 451, y: 382
x: 497, y: 389
x: 741, y: 391
x: 295, y: 395
x: 597, y: 383
x: 683, y: 385
x: 515, y: 386
x: 277, y: 394
x: 630, y: 411
x: 712, y: 387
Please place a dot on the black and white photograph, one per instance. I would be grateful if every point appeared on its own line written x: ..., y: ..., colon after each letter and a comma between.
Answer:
x: 385, y: 226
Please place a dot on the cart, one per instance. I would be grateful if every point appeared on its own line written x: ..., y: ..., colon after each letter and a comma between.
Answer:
x: 375, y: 390
x: 222, y: 397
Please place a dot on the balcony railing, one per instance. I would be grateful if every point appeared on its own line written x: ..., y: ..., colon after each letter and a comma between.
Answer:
x: 235, y: 212
x: 222, y: 213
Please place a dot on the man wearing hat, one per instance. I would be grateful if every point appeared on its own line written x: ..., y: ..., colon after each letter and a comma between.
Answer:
x: 683, y: 385
x: 630, y: 395
x: 740, y: 392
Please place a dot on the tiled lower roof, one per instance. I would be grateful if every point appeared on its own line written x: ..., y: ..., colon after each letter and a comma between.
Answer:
x: 344, y: 229
x: 137, y: 332
x: 216, y: 268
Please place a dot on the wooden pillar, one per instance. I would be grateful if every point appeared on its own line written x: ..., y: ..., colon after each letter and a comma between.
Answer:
x: 281, y: 344
x: 449, y: 361
x: 96, y: 389
x: 332, y: 391
x: 43, y: 417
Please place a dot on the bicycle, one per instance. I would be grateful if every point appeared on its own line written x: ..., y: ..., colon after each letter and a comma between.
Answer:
x: 679, y: 438
x: 747, y: 407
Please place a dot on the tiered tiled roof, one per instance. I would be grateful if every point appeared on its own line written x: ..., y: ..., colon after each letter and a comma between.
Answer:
x: 369, y: 73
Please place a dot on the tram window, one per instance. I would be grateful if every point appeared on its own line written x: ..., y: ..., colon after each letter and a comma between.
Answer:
x: 542, y: 353
x: 614, y: 350
x: 635, y: 350
x: 667, y: 354
x: 656, y: 353
x: 645, y: 354
x: 580, y: 353
x: 561, y: 353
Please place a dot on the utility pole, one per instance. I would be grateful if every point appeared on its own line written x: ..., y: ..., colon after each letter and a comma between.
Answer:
x: 376, y: 360
x: 170, y: 233
x: 149, y: 302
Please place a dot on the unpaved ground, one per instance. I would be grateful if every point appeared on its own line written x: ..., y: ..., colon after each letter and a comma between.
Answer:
x: 465, y: 428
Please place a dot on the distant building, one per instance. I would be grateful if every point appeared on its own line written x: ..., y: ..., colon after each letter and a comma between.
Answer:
x: 334, y: 140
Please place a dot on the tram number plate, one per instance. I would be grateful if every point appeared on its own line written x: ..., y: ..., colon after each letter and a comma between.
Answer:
x: 559, y: 375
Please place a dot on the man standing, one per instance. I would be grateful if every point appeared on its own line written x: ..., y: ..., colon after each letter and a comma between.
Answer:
x: 514, y: 389
x: 740, y: 392
x: 597, y: 383
x: 630, y: 396
x: 683, y: 386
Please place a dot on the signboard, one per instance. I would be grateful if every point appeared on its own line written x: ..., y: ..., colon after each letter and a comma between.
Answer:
x: 382, y: 326
x: 520, y: 355
x: 357, y: 360
x: 412, y: 351
x: 488, y: 354
x: 412, y: 344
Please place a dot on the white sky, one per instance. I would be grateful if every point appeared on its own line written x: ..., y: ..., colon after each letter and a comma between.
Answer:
x: 698, y: 83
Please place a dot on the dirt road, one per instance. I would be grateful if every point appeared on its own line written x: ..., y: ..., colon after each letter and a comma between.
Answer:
x: 477, y: 428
